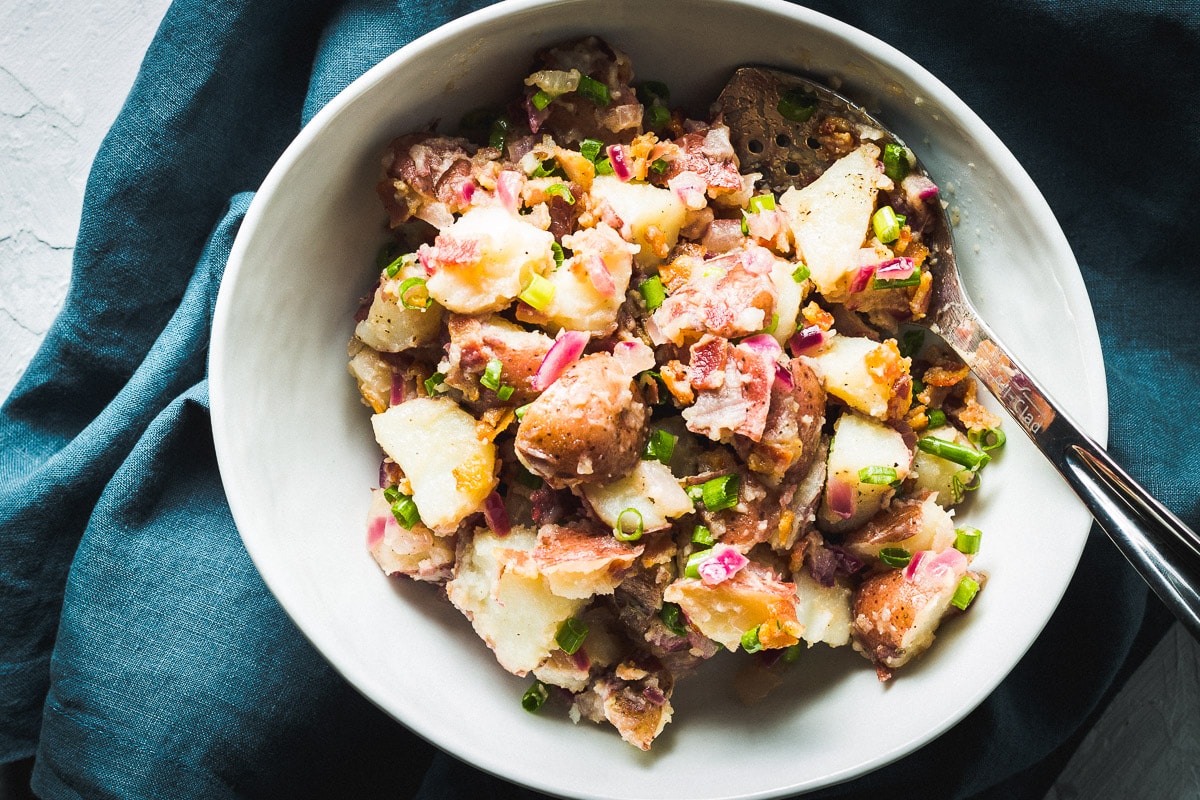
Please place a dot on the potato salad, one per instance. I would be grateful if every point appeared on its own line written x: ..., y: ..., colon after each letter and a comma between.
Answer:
x: 635, y: 411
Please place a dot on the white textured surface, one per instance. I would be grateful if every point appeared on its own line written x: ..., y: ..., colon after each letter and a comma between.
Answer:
x: 65, y: 68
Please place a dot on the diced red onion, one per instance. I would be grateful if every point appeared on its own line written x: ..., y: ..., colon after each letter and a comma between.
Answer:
x: 425, y: 255
x: 807, y: 339
x: 910, y: 569
x: 764, y: 225
x: 496, y: 515
x: 581, y: 660
x: 384, y: 478
x: 655, y: 695
x: 633, y: 356
x: 599, y: 275
x: 466, y: 190
x: 895, y: 269
x: 508, y: 190
x: 536, y: 116
x: 939, y: 567
x: 616, y: 156
x: 841, y: 498
x: 862, y: 278
x: 762, y: 343
x: 784, y: 376
x: 722, y: 564
x: 375, y: 530
x: 722, y: 235
x: 690, y: 188
x: 565, y: 351
x: 397, y: 389
x: 918, y: 187
x: 757, y: 260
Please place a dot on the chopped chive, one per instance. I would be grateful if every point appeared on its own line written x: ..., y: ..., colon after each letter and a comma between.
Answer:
x: 538, y: 293
x: 660, y: 446
x: 703, y: 536
x: 405, y: 511
x: 895, y: 556
x: 433, y: 382
x: 561, y: 190
x: 878, y: 476
x: 559, y: 255
x: 801, y: 273
x: 965, y: 455
x: 717, y: 494
x: 519, y: 411
x: 656, y: 116
x: 659, y: 165
x: 604, y: 166
x: 505, y: 392
x: 652, y: 292
x: 897, y: 283
x: 491, y: 374
x: 797, y: 105
x: 885, y: 224
x: 571, y: 634
x: 937, y: 418
x: 989, y: 439
x: 653, y: 91
x: 692, y: 568
x: 407, y: 287
x: 498, y: 136
x: 750, y: 641
x: 535, y: 696
x: 761, y: 202
x: 895, y: 161
x: 621, y: 529
x: 541, y: 98
x: 672, y: 617
x: 968, y: 587
x: 590, y: 149
x: 594, y: 90
x: 966, y: 540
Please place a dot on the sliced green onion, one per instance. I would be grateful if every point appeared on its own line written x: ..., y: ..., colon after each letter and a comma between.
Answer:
x: 878, y: 476
x: 594, y: 90
x: 965, y: 455
x: 692, y: 568
x: 897, y: 283
x: 660, y: 446
x: 491, y: 374
x: 519, y: 411
x: 562, y: 190
x: 590, y: 149
x: 911, y: 342
x: 391, y: 494
x: 535, y: 696
x: 621, y: 530
x: 918, y: 386
x: 498, y: 136
x: 559, y: 255
x: 718, y: 493
x: 989, y: 439
x: 652, y: 292
x: 895, y: 556
x: 604, y: 166
x: 393, y: 268
x: 571, y: 634
x: 801, y: 273
x: 895, y: 161
x: 433, y: 382
x: 790, y: 654
x: 538, y: 293
x: 797, y: 105
x: 937, y: 418
x: 750, y: 641
x: 543, y: 171
x: 653, y: 91
x: 761, y: 202
x: 407, y: 286
x: 672, y: 617
x: 541, y: 98
x: 659, y: 165
x: 703, y: 536
x: 505, y: 392
x: 968, y: 587
x: 966, y: 540
x: 773, y: 324
x: 405, y: 511
x: 657, y: 116
x: 885, y: 224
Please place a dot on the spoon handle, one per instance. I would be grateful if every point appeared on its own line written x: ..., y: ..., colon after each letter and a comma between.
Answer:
x: 1164, y: 550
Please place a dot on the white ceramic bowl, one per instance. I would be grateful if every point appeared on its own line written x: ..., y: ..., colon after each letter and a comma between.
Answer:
x: 297, y: 456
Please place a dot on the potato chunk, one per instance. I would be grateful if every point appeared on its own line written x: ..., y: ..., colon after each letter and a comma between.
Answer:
x: 485, y: 259
x: 651, y: 489
x: 868, y: 376
x: 751, y: 598
x: 511, y: 608
x: 390, y: 327
x: 860, y: 443
x: 452, y: 470
x: 416, y: 552
x: 651, y: 216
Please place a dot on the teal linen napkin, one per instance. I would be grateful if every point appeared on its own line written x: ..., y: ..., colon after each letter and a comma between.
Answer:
x: 140, y: 653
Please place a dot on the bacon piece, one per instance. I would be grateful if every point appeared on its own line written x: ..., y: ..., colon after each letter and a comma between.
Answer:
x: 729, y: 296
x: 733, y: 390
x: 426, y: 176
x: 705, y: 154
x: 793, y: 426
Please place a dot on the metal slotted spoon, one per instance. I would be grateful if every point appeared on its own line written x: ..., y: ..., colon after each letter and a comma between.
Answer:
x: 794, y: 151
